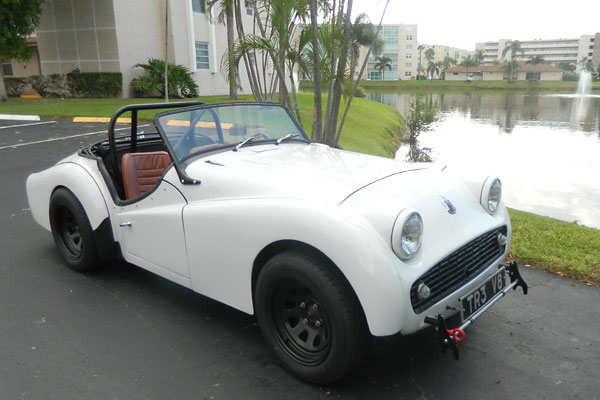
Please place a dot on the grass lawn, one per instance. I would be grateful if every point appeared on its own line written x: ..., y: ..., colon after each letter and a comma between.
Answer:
x: 378, y: 134
x: 555, y: 246
x: 559, y: 247
x: 460, y: 85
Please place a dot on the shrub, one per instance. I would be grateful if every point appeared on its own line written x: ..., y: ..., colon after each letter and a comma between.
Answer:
x: 152, y: 83
x: 40, y: 84
x: 94, y: 84
x: 15, y: 86
x: 54, y: 85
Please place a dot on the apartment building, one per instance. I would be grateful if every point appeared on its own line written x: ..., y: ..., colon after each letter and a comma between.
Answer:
x: 114, y: 35
x: 553, y: 51
x: 400, y: 45
x: 440, y: 53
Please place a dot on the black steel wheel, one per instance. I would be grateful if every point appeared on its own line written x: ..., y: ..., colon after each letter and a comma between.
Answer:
x: 71, y: 230
x: 310, y: 317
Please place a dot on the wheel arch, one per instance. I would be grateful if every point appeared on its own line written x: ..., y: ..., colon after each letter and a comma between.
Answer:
x: 282, y: 246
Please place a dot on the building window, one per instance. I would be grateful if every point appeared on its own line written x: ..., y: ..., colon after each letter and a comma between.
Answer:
x: 199, y: 6
x: 408, y: 65
x: 408, y: 37
x: 407, y: 73
x: 201, y: 55
x: 7, y: 68
x: 408, y: 55
x: 248, y: 8
x: 409, y: 47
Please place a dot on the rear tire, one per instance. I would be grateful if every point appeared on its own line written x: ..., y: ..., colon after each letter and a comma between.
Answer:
x: 310, y: 317
x: 72, y: 232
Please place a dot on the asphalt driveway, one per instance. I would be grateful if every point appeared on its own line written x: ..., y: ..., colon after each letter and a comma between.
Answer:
x: 123, y: 333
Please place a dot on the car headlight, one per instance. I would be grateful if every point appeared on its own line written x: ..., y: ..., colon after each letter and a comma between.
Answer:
x: 491, y: 194
x: 407, y: 234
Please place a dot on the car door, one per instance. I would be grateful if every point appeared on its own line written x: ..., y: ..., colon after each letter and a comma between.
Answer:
x: 151, y: 232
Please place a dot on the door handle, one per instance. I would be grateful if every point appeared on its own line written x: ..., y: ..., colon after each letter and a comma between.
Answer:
x: 126, y: 224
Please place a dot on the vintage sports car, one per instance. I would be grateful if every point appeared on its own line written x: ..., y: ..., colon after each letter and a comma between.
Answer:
x: 326, y: 247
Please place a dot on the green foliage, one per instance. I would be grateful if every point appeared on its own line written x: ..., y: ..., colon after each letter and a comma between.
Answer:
x: 94, y: 84
x: 54, y: 85
x: 420, y: 118
x: 18, y: 19
x: 152, y: 82
x: 15, y: 86
x: 563, y: 248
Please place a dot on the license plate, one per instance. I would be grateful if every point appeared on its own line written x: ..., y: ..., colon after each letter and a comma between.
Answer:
x: 480, y: 296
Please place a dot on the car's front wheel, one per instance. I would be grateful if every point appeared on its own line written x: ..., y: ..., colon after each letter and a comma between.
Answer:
x: 72, y: 232
x: 310, y: 317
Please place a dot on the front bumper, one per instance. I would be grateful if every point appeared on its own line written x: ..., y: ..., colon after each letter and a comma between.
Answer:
x: 448, y: 337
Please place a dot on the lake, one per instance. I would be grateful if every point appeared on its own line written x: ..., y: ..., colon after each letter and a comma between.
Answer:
x: 545, y: 148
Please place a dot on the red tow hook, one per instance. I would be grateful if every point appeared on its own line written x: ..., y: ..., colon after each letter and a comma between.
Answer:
x: 457, y: 334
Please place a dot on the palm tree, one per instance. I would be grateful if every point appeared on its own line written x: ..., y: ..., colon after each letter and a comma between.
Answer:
x: 226, y: 16
x: 510, y: 67
x: 468, y: 62
x: 420, y: 67
x: 363, y: 34
x: 478, y: 56
x: 429, y: 54
x: 447, y: 63
x: 512, y: 46
x: 535, y: 60
x: 382, y: 63
x: 433, y: 68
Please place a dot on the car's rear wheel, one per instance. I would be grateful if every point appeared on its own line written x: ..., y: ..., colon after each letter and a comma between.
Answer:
x: 72, y: 232
x: 310, y: 317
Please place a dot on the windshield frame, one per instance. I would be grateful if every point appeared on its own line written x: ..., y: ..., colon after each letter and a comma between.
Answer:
x: 180, y: 162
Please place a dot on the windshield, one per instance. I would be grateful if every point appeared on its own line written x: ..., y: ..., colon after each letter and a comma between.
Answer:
x: 211, y: 127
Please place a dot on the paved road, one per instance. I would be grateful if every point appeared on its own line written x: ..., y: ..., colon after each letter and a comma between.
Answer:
x: 123, y: 333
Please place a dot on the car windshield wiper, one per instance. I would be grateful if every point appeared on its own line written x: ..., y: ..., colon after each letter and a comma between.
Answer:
x: 286, y: 137
x: 239, y: 146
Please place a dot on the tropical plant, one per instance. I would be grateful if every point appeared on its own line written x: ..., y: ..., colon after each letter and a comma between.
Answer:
x: 567, y: 67
x: 510, y: 67
x: 382, y: 63
x: 479, y: 56
x: 429, y: 54
x: 433, y: 68
x: 363, y: 34
x: 535, y: 60
x: 152, y: 81
x: 420, y: 68
x: 513, y: 47
x: 18, y: 20
x: 468, y: 62
x: 226, y: 17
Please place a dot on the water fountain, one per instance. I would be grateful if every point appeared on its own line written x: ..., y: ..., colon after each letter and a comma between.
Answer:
x: 584, y: 87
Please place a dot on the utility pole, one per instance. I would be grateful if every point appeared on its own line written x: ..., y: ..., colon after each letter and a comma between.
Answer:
x: 167, y: 51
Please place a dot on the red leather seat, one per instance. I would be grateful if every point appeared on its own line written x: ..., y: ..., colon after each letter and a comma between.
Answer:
x: 141, y: 171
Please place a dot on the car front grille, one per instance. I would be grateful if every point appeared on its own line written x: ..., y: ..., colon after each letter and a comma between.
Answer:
x: 458, y: 268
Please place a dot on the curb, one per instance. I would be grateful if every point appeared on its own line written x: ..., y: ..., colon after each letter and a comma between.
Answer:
x: 101, y: 119
x: 19, y: 117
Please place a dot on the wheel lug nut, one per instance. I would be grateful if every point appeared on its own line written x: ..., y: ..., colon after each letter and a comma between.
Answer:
x: 315, y: 307
x: 305, y: 320
x: 318, y: 323
x: 302, y: 305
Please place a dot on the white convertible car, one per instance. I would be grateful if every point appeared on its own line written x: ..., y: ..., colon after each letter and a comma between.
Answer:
x: 326, y: 247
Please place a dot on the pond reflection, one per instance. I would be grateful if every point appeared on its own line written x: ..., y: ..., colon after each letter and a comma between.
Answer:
x: 544, y: 148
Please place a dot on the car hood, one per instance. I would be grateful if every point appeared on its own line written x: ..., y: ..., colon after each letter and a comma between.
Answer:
x: 306, y: 171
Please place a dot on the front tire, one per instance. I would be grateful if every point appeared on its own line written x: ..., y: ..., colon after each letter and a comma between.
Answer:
x: 72, y: 232
x: 310, y: 317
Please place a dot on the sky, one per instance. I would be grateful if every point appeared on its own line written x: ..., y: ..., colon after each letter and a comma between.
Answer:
x: 462, y: 23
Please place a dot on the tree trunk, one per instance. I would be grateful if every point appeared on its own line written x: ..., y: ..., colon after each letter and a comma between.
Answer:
x: 3, y: 94
x: 317, y: 134
x: 233, y: 84
x: 330, y: 134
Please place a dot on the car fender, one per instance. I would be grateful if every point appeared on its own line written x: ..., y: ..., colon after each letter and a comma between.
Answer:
x: 225, y: 237
x: 73, y: 177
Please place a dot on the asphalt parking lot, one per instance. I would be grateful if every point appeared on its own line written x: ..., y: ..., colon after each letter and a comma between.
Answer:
x: 123, y: 333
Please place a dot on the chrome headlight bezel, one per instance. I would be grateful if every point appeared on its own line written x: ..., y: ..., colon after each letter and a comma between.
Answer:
x: 491, y: 195
x: 407, y: 234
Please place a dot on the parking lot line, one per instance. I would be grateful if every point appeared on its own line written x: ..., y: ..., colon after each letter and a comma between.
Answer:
x: 33, y: 123
x: 12, y: 146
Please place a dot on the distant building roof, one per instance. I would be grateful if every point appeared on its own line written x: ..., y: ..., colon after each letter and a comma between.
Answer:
x: 523, y: 67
